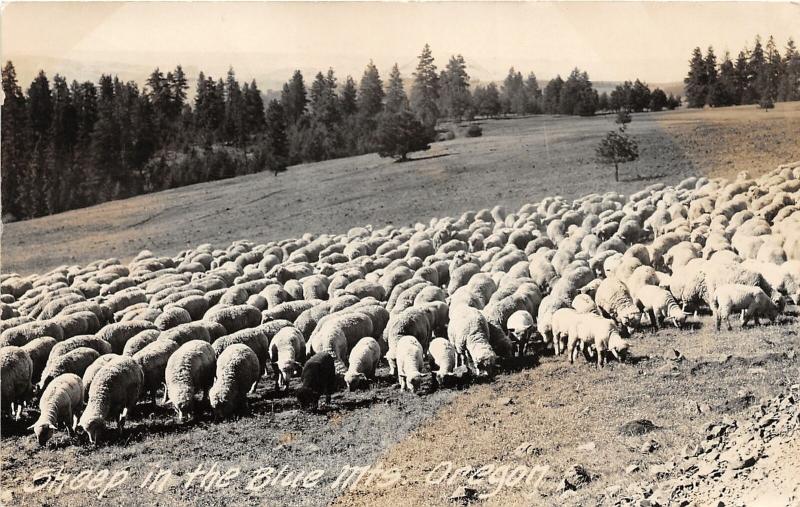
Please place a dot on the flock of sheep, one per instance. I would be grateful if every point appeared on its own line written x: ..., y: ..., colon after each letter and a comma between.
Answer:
x: 471, y: 291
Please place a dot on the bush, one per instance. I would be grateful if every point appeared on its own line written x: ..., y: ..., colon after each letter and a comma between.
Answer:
x: 766, y: 104
x: 401, y: 133
x: 474, y: 131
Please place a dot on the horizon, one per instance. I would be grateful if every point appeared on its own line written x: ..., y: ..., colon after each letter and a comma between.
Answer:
x: 267, y: 41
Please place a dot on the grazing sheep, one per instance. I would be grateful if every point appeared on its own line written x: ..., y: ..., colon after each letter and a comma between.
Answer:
x: 39, y: 351
x: 412, y: 321
x: 59, y: 404
x: 549, y: 305
x: 583, y: 303
x: 363, y: 361
x: 318, y: 378
x: 659, y: 305
x: 91, y: 371
x: 195, y: 305
x: 118, y: 333
x: 409, y: 363
x: 234, y: 318
x: 113, y: 394
x: 469, y: 333
x: 23, y: 333
x: 153, y: 361
x: 442, y: 356
x: 199, y: 330
x: 290, y: 310
x: 255, y: 338
x: 140, y: 341
x: 172, y: 317
x: 333, y: 341
x: 563, y: 326
x: 614, y: 301
x: 237, y: 370
x: 751, y: 302
x: 603, y: 334
x: 75, y: 361
x: 189, y: 369
x: 286, y: 350
x: 16, y: 369
x: 59, y: 349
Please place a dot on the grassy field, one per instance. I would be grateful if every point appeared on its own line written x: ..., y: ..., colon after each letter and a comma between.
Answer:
x: 545, y: 416
x: 516, y: 161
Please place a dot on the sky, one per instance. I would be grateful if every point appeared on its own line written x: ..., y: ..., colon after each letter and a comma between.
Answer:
x: 267, y: 40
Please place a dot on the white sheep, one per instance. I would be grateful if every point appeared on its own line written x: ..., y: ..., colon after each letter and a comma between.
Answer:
x: 442, y: 356
x: 563, y: 326
x: 520, y: 326
x: 113, y: 394
x: 153, y: 361
x: 286, y: 350
x: 603, y: 334
x: 363, y: 361
x: 189, y: 369
x: 16, y: 369
x: 659, y: 305
x: 75, y: 361
x: 409, y: 363
x: 237, y: 370
x: 613, y: 300
x: 751, y: 302
x: 59, y: 404
x: 469, y: 333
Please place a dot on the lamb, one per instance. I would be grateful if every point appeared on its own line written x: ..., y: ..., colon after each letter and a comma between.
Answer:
x: 16, y: 369
x: 583, y: 303
x: 118, y: 333
x: 59, y: 403
x: 189, y: 369
x: 363, y: 361
x: 286, y: 350
x: 548, y: 306
x: 237, y: 370
x: 318, y: 378
x: 659, y: 305
x: 113, y: 394
x: 140, y: 341
x: 752, y: 302
x: 409, y: 363
x: 563, y: 326
x: 234, y: 318
x: 603, y: 333
x: 153, y: 361
x: 469, y: 333
x: 39, y: 351
x: 613, y: 300
x: 442, y: 356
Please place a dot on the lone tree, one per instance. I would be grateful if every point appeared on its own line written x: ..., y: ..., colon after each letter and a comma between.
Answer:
x: 400, y: 133
x: 617, y: 148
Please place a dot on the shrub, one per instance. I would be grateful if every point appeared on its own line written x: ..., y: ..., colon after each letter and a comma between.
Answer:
x: 474, y: 131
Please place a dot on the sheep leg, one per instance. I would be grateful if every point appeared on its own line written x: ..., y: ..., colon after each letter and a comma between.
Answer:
x: 121, y: 420
x: 653, y: 318
x: 17, y: 411
x: 599, y: 359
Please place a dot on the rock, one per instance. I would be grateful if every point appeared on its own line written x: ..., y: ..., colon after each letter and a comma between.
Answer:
x: 588, y: 446
x: 637, y: 427
x: 706, y: 469
x: 631, y: 469
x: 577, y: 476
x: 464, y: 493
x: 744, y: 462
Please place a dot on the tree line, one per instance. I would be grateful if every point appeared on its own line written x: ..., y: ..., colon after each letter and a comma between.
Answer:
x: 759, y: 75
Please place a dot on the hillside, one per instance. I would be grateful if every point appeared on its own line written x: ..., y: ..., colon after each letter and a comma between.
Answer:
x: 516, y: 161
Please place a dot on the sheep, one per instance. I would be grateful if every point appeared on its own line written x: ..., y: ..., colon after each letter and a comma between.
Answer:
x: 59, y: 404
x: 548, y: 306
x: 237, y: 370
x: 286, y: 350
x: 195, y: 305
x: 23, y: 333
x: 442, y: 355
x: 583, y: 303
x: 290, y: 310
x: 93, y: 342
x: 603, y: 334
x: 189, y: 369
x: 614, y: 301
x: 153, y: 361
x: 172, y: 317
x: 354, y: 324
x: 409, y: 363
x: 412, y: 321
x: 117, y: 334
x: 363, y: 361
x: 563, y: 324
x: 469, y: 333
x: 39, y: 351
x: 91, y: 371
x: 659, y: 305
x: 77, y: 323
x: 333, y: 341
x: 16, y: 369
x: 752, y: 302
x: 234, y: 318
x: 75, y: 361
x: 198, y: 330
x: 140, y: 341
x: 113, y: 394
x: 318, y: 378
x: 255, y: 338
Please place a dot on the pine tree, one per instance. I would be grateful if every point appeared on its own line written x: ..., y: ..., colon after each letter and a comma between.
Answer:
x: 740, y: 78
x: 293, y: 98
x: 512, y: 93
x: 454, y: 88
x: 552, y: 95
x: 178, y: 85
x: 425, y: 89
x: 40, y: 105
x: 233, y: 124
x: 398, y: 134
x: 617, y: 147
x: 16, y: 140
x: 789, y: 86
x: 697, y: 80
x: 773, y: 70
x: 533, y: 95
x: 276, y: 136
x: 396, y: 99
x: 254, y: 108
x: 725, y: 92
x: 711, y: 76
x: 755, y: 73
x: 324, y: 101
x: 349, y: 97
x: 370, y: 92
x: 658, y: 100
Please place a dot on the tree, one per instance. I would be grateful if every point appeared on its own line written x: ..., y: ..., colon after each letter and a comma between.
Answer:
x: 755, y: 73
x: 454, y: 88
x: 425, y: 89
x: 740, y: 78
x: 15, y: 139
x: 711, y: 76
x: 789, y: 86
x: 396, y: 99
x: 486, y: 100
x: 348, y: 97
x: 658, y: 100
x: 253, y: 108
x: 639, y: 96
x: 293, y: 98
x: 512, y: 93
x: 400, y: 133
x: 623, y: 117
x: 602, y: 102
x: 617, y: 147
x: 370, y: 92
x: 276, y: 138
x: 324, y: 101
x: 697, y: 80
x: 552, y: 95
x: 533, y: 95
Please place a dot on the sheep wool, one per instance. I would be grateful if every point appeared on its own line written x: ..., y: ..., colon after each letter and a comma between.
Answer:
x: 363, y: 361
x: 189, y: 369
x: 409, y: 363
x: 59, y: 404
x: 16, y: 369
x: 286, y: 350
x: 114, y: 392
x: 237, y: 371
